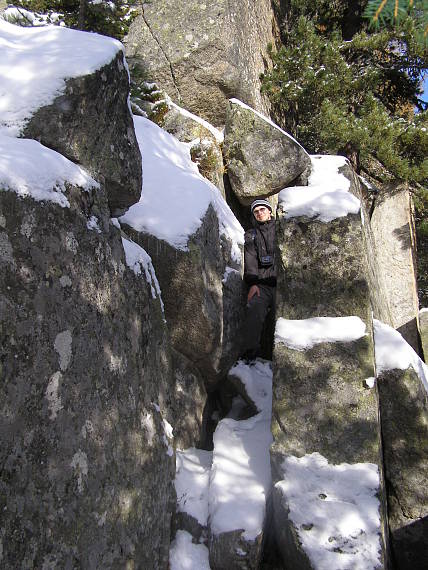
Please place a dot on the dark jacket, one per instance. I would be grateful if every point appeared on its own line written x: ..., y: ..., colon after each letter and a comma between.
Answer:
x: 259, y: 243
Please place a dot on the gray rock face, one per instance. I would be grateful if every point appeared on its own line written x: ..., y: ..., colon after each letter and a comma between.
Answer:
x: 85, y: 386
x: 229, y: 551
x: 203, y: 53
x: 90, y: 124
x: 187, y: 407
x: 203, y: 313
x: 321, y: 402
x: 261, y: 159
x: 392, y: 226
x: 404, y: 420
x: 287, y: 537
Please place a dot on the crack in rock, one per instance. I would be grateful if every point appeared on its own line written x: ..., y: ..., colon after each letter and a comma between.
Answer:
x: 174, y: 79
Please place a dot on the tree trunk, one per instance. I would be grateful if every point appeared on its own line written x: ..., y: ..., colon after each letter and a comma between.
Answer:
x: 82, y: 14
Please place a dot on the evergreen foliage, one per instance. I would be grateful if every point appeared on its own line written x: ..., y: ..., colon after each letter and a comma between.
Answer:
x: 353, y: 97
x: 394, y: 11
x: 108, y: 17
x: 344, y: 85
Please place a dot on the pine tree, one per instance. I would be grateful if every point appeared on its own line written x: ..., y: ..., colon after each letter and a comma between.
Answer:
x: 353, y: 97
x: 108, y: 17
x: 345, y: 85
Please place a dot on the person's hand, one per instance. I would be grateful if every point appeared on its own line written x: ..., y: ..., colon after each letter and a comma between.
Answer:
x: 254, y: 290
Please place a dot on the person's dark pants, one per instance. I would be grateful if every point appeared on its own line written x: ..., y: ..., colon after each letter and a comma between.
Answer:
x: 257, y: 310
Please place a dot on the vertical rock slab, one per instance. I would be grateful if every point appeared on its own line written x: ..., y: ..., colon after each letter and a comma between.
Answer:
x: 261, y: 158
x: 203, y: 53
x: 402, y: 382
x: 392, y: 225
x: 325, y: 416
x: 85, y: 445
x: 189, y: 402
x: 194, y: 240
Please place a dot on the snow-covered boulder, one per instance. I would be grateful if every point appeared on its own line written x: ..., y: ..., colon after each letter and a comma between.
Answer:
x: 69, y: 90
x: 261, y: 158
x: 203, y: 53
x: 195, y: 243
x: 85, y: 445
x: 402, y: 382
x: 325, y: 412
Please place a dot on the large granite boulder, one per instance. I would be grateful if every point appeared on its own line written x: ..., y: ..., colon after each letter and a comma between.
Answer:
x: 203, y: 53
x: 325, y: 416
x: 86, y: 448
x: 261, y: 158
x: 90, y: 123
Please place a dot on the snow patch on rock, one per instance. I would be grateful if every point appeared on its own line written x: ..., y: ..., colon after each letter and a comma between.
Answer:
x: 175, y: 197
x: 139, y: 260
x: 393, y: 352
x: 306, y: 333
x: 33, y: 170
x: 335, y: 511
x: 192, y: 482
x: 184, y: 555
x: 327, y: 195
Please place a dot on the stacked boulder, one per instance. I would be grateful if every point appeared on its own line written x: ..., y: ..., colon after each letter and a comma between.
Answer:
x: 324, y: 408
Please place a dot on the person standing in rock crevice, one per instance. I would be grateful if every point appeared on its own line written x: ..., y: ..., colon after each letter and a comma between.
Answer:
x: 259, y: 275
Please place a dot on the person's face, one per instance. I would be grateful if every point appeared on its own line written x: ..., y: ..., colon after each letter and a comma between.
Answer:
x: 262, y: 214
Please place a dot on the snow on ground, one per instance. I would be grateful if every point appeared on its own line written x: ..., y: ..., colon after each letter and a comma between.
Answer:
x: 35, y: 63
x: 255, y: 384
x: 175, y: 197
x: 240, y: 475
x: 192, y: 482
x: 139, y: 260
x: 327, y: 195
x: 227, y: 488
x: 393, y: 352
x: 184, y: 555
x: 30, y: 169
x: 335, y: 511
x: 306, y: 333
